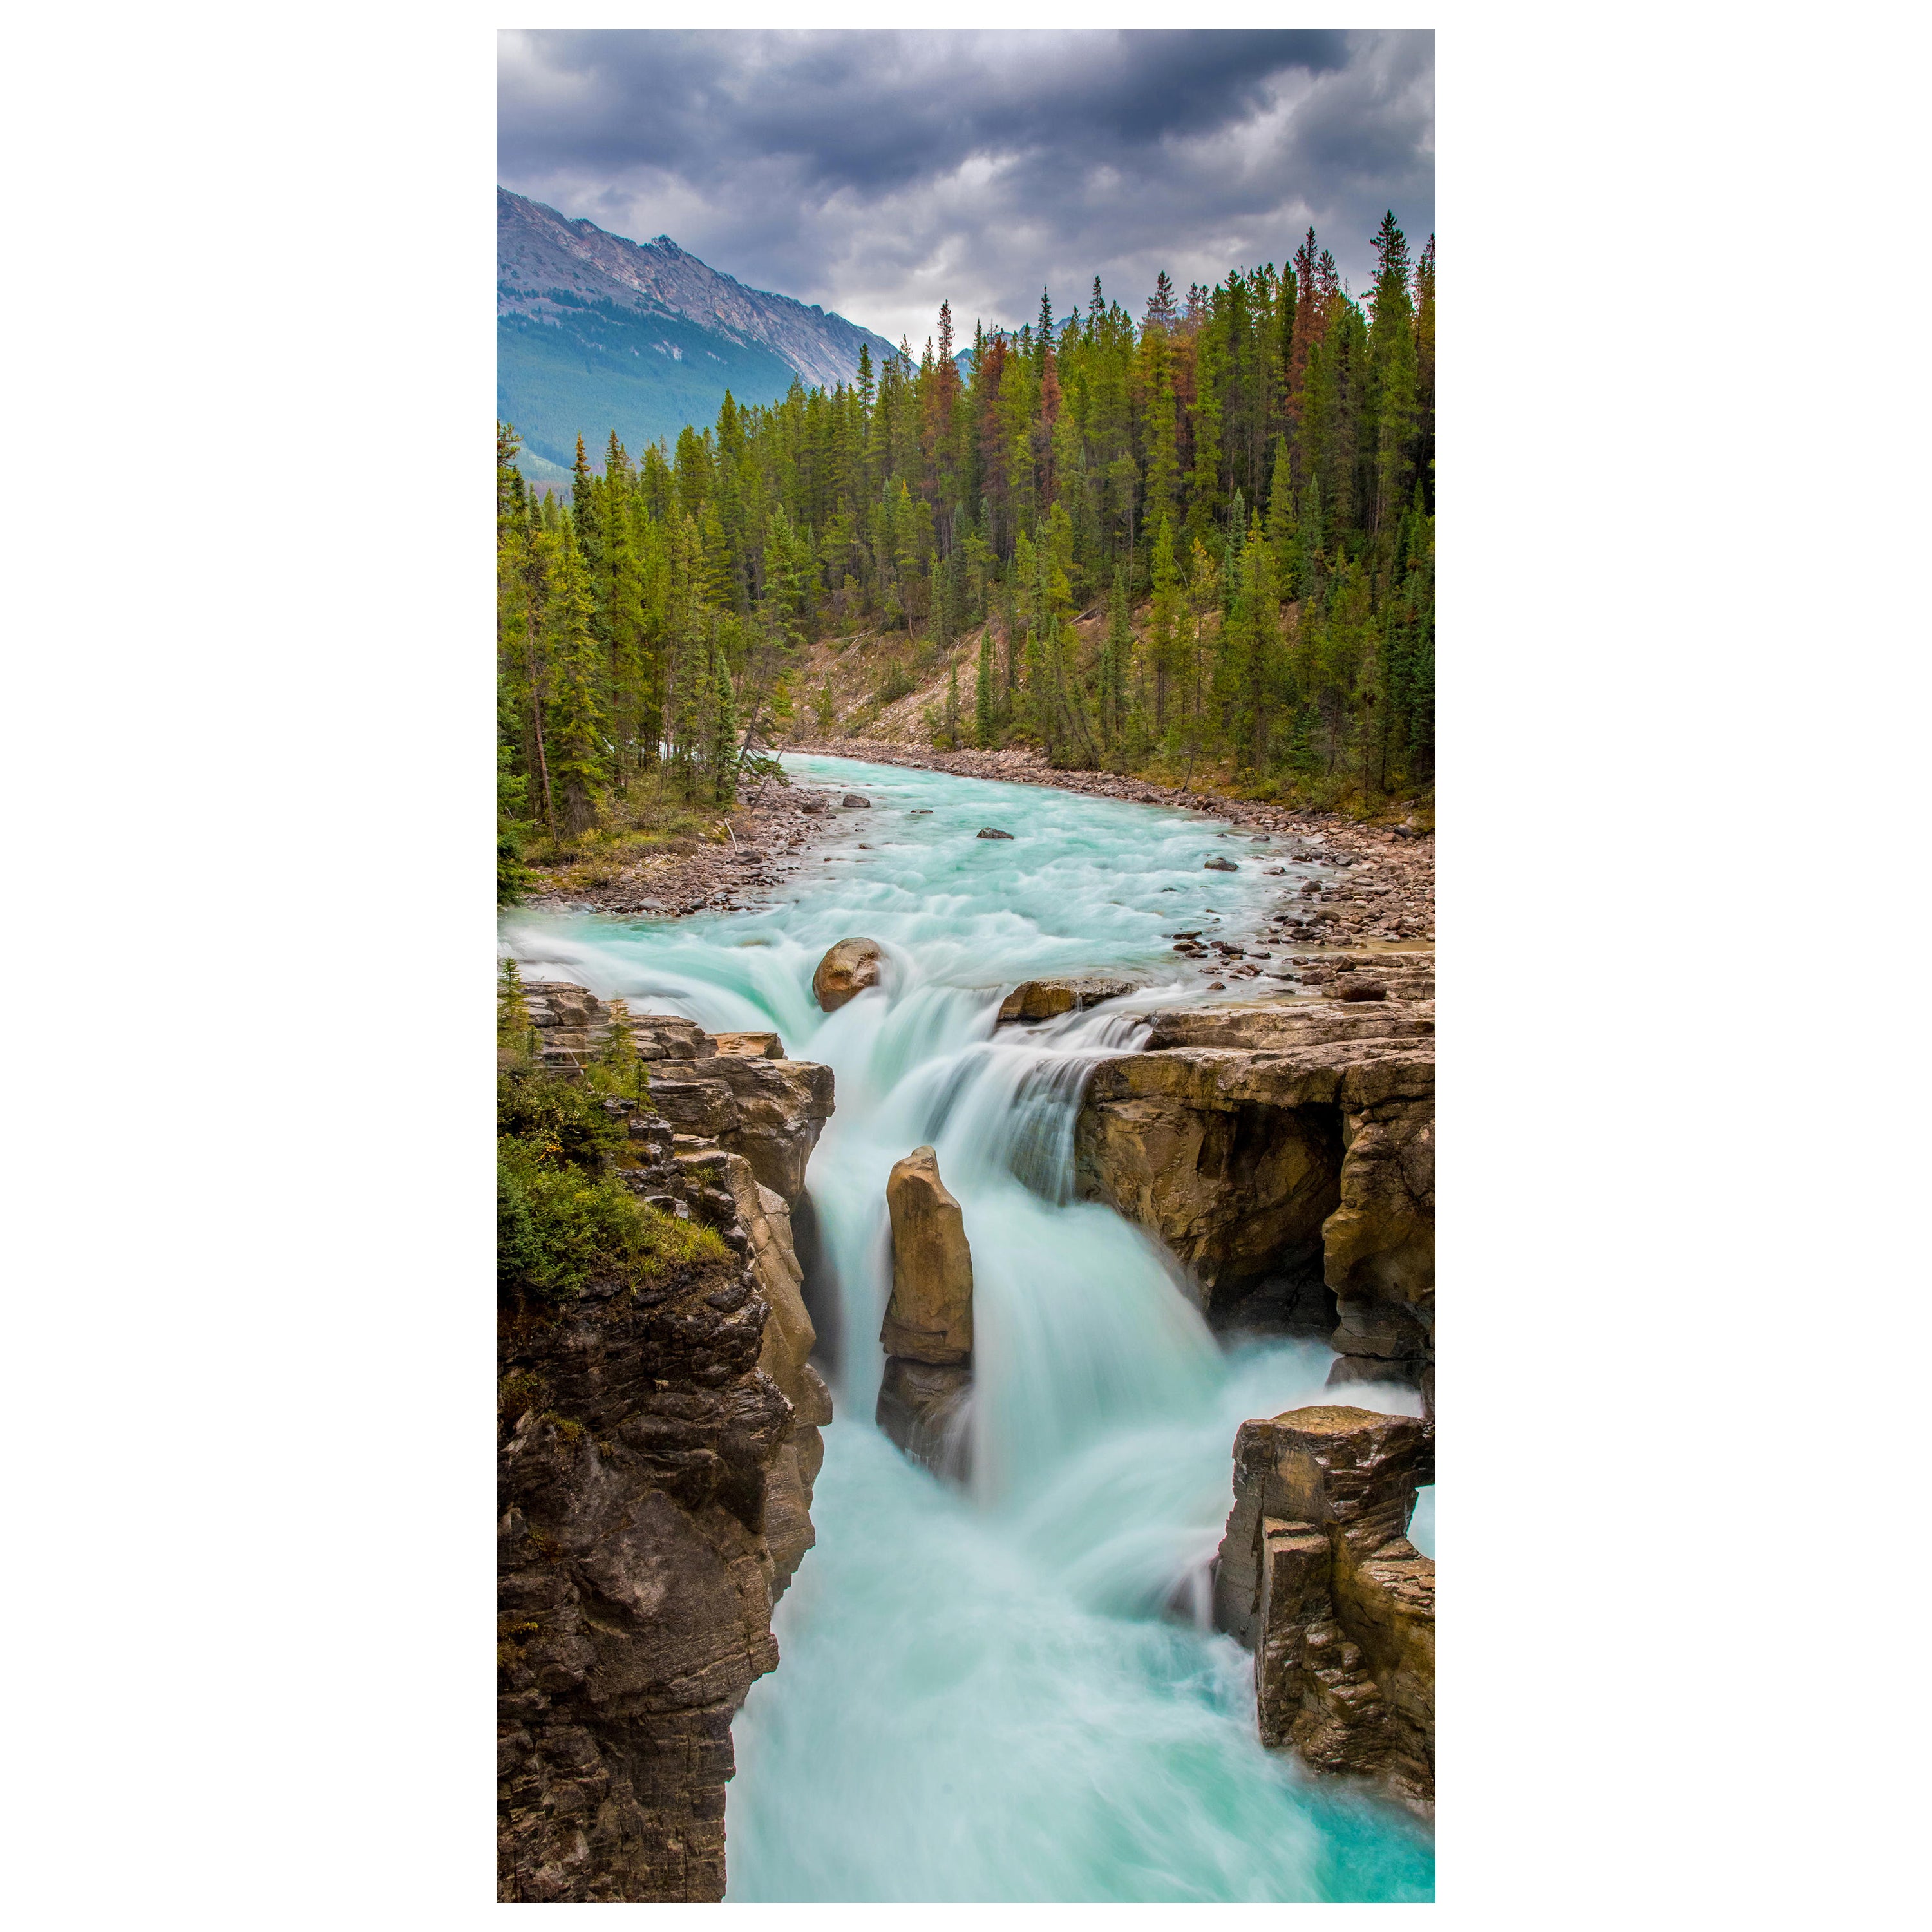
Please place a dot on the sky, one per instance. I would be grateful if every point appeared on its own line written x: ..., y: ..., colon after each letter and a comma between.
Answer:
x: 878, y: 173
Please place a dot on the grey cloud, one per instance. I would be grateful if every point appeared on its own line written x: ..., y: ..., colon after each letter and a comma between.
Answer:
x: 877, y: 172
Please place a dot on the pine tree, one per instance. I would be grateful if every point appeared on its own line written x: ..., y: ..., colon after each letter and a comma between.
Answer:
x: 619, y: 1056
x: 584, y: 508
x: 1281, y: 518
x: 575, y: 724
x: 1166, y: 638
x: 1115, y: 656
x: 724, y: 731
x: 1392, y: 368
x: 620, y: 621
x: 1425, y: 367
x: 1163, y: 460
x: 513, y: 1012
x: 985, y: 697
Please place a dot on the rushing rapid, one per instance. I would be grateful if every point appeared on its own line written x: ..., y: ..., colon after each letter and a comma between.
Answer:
x: 1010, y: 1691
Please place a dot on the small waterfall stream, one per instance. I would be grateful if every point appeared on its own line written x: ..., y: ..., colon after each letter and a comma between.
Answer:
x: 1009, y: 1692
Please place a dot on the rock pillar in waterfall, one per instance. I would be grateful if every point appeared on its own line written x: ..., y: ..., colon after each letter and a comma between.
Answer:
x: 1317, y: 1576
x: 927, y: 1334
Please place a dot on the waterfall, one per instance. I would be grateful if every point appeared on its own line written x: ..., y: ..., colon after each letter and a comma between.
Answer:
x: 1009, y: 1690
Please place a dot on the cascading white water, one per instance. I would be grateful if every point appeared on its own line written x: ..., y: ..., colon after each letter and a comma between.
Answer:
x: 1009, y: 1694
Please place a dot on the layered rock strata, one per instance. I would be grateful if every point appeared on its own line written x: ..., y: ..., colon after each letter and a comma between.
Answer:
x: 1047, y: 999
x: 928, y: 1333
x: 1317, y: 1576
x: 658, y: 1449
x: 732, y: 1089
x: 1285, y: 1154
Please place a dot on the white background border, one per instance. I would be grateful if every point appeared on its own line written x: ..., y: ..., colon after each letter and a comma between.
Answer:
x: 1683, y: 711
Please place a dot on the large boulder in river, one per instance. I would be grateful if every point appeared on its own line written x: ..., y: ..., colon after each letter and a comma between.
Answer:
x: 930, y: 1316
x: 847, y: 969
x: 1317, y: 1576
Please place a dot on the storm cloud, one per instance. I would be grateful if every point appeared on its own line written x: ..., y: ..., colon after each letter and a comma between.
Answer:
x: 878, y: 173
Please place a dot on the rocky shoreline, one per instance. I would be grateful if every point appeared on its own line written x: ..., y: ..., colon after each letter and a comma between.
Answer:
x: 1378, y: 889
x: 767, y: 835
x: 1395, y: 900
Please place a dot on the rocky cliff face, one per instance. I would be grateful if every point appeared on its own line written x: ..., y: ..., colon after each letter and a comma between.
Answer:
x: 1318, y: 1577
x: 542, y: 257
x: 657, y: 1451
x: 1285, y: 1153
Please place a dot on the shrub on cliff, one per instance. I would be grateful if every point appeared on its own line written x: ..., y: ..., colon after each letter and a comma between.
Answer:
x: 559, y: 1228
x: 557, y: 1121
x: 564, y: 1217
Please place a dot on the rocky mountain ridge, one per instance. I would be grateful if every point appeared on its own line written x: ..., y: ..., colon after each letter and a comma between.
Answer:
x: 542, y: 257
x: 596, y: 332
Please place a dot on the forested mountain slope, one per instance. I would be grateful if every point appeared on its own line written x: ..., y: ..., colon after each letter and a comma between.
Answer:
x: 639, y: 337
x: 1202, y: 542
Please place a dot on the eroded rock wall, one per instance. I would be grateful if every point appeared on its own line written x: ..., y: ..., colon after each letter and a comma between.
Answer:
x: 657, y: 1453
x: 1317, y: 1576
x: 1285, y: 1154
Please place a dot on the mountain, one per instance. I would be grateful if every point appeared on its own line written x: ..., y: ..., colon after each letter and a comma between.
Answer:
x: 596, y: 333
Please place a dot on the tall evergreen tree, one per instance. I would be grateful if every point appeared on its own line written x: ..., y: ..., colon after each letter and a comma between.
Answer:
x: 724, y: 731
x: 985, y: 696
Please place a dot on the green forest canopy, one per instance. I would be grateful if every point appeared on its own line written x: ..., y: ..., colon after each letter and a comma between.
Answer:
x: 1244, y: 481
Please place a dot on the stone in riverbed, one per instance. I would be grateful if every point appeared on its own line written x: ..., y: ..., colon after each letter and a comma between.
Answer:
x: 847, y: 969
x: 922, y: 1408
x: 930, y: 1316
x: 1218, y: 864
x: 992, y: 832
x: 853, y: 798
x: 1047, y: 999
x: 929, y: 1327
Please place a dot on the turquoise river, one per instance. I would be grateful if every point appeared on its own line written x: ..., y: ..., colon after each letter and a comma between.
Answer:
x: 1008, y: 1692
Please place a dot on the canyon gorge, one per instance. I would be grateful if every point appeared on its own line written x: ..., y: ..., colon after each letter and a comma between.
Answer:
x: 1037, y: 1503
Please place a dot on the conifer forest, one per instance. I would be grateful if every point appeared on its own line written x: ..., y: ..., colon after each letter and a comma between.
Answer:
x: 1198, y: 544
